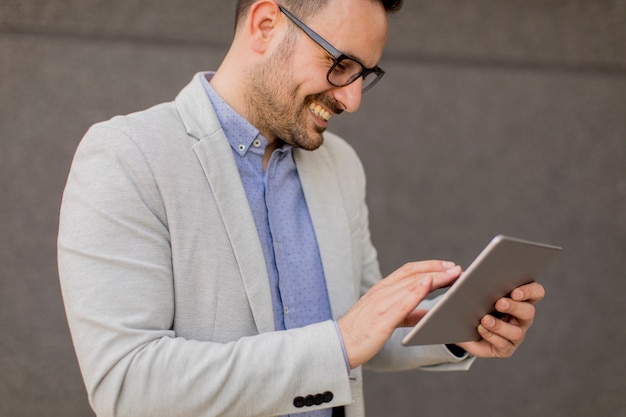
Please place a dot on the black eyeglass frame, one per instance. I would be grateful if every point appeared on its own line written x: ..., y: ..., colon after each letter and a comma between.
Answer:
x: 337, y: 55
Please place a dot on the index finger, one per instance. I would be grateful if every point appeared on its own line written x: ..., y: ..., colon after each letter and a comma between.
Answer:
x: 421, y: 267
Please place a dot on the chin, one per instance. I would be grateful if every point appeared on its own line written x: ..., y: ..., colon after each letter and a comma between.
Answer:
x: 314, y: 141
x: 309, y: 139
x: 309, y: 145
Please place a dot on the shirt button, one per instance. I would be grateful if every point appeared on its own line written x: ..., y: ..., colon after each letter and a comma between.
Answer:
x: 286, y: 308
x: 242, y: 147
x: 256, y: 143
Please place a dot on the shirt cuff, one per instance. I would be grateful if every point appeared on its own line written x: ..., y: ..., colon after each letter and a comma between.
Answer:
x: 343, y: 347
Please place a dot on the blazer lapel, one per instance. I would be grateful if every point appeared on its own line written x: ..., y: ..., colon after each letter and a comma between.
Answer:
x: 330, y: 222
x: 215, y: 155
x: 323, y: 198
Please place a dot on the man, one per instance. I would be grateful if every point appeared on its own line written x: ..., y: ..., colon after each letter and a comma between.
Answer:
x: 214, y: 252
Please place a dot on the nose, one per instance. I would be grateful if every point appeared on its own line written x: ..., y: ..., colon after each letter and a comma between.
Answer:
x: 349, y: 95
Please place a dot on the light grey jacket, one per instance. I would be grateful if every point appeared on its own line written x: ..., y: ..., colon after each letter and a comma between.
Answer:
x: 164, y: 280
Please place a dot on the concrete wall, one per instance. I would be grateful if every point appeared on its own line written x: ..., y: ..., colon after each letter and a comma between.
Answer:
x: 495, y: 117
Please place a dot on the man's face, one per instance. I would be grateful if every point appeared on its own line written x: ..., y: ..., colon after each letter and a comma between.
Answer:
x: 290, y: 97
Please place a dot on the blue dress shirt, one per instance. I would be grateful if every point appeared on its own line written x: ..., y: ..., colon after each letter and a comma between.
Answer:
x: 282, y: 219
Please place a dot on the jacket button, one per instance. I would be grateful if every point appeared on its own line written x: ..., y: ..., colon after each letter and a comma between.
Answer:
x: 298, y: 402
x: 308, y: 401
x: 318, y: 399
x: 327, y: 396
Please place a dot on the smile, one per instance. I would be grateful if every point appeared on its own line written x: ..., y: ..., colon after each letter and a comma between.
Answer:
x: 319, y: 111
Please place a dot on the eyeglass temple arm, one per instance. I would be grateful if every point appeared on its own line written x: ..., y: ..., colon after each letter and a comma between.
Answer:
x: 312, y: 34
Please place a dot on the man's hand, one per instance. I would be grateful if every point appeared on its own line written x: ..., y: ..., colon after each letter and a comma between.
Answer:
x: 389, y: 304
x: 501, y: 337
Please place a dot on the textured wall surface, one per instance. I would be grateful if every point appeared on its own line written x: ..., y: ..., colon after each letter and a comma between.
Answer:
x: 495, y: 116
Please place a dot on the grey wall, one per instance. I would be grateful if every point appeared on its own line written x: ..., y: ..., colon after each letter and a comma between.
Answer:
x: 495, y: 117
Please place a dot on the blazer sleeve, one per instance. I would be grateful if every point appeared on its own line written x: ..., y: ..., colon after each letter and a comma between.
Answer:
x: 115, y: 268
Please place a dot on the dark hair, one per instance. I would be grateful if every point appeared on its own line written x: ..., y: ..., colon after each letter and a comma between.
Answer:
x: 306, y: 8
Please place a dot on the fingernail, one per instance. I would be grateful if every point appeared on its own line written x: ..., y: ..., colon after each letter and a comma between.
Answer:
x: 490, y: 321
x: 448, y: 264
x: 453, y: 271
x: 504, y: 304
x: 517, y: 295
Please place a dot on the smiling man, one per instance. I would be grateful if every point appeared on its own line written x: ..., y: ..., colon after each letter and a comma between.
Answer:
x: 279, y: 72
x: 214, y: 251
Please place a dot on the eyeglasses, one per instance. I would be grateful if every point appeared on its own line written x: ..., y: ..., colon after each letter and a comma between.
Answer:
x: 344, y: 70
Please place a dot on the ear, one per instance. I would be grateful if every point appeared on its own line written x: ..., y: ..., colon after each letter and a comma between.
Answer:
x: 264, y: 25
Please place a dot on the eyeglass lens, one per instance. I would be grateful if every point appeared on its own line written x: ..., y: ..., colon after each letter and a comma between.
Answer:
x: 347, y: 70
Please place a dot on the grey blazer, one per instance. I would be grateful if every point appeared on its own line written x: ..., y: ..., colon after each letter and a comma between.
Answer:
x: 164, y: 280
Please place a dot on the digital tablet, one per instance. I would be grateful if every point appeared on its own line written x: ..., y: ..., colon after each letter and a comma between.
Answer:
x: 504, y: 264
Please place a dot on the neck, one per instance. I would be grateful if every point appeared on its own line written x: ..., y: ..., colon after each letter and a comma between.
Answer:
x: 226, y: 83
x: 269, y: 150
x: 229, y: 82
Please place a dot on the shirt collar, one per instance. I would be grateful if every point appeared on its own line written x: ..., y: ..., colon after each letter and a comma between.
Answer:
x: 241, y: 135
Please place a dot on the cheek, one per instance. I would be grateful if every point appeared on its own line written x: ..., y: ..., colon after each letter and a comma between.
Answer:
x: 308, y: 78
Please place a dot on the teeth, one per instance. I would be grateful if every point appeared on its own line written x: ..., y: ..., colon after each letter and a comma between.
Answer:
x: 319, y: 111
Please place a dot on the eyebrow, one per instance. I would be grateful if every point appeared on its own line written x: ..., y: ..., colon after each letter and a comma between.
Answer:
x: 359, y: 60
